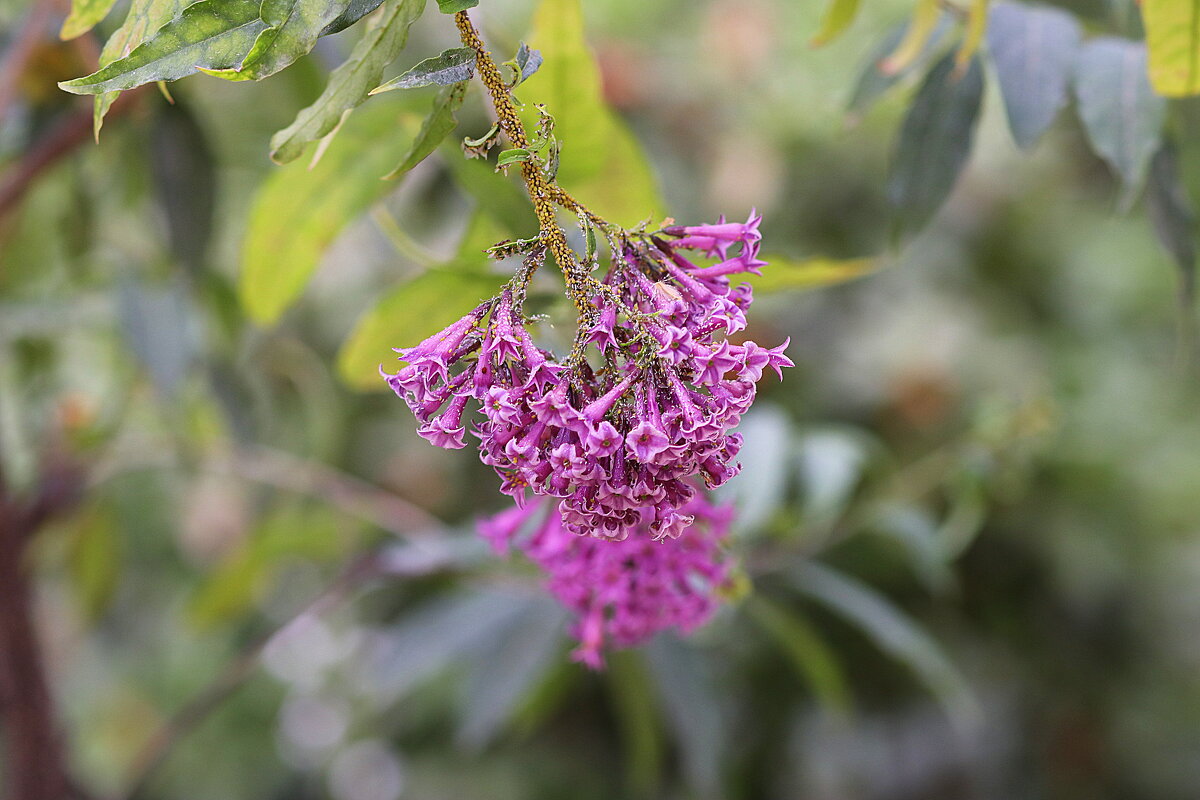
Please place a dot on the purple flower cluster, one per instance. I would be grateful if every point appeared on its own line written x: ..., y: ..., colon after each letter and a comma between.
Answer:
x: 645, y: 403
x: 622, y: 593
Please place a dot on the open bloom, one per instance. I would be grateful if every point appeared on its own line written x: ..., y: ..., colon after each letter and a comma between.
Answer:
x: 622, y: 592
x: 620, y: 444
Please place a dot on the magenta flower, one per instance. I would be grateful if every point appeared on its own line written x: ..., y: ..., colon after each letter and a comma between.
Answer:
x: 623, y: 592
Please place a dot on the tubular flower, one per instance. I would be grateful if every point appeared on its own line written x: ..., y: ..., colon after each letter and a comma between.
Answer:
x: 645, y: 403
x: 622, y: 593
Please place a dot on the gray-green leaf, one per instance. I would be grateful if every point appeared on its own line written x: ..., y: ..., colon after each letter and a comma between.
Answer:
x: 352, y: 14
x: 295, y: 27
x: 873, y: 83
x: 350, y: 83
x: 1034, y: 51
x: 528, y: 61
x: 211, y: 34
x: 1121, y: 113
x: 934, y: 142
x: 1172, y: 214
x: 437, y: 126
x: 451, y: 67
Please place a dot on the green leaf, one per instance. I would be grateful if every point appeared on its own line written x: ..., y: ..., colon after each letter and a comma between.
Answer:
x: 351, y: 82
x: 353, y: 13
x: 454, y: 6
x: 602, y: 164
x: 213, y: 34
x: 527, y: 63
x: 411, y: 313
x: 497, y: 195
x: 514, y: 156
x: 694, y: 708
x: 814, y: 662
x: 1173, y: 216
x: 185, y: 180
x: 83, y: 17
x: 437, y: 126
x: 636, y: 709
x: 838, y: 16
x: 156, y: 323
x: 920, y: 31
x: 1173, y: 38
x: 873, y: 83
x: 1033, y: 50
x: 299, y: 211
x: 94, y: 560
x: 295, y: 27
x: 893, y: 632
x: 783, y: 274
x: 451, y: 67
x: 144, y: 18
x: 934, y: 142
x: 1121, y: 114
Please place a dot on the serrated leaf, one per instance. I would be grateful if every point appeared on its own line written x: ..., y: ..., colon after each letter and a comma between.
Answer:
x: 451, y: 67
x: 814, y: 662
x: 1173, y: 39
x: 144, y: 18
x: 1034, y: 51
x: 873, y: 83
x: 351, y: 82
x: 295, y: 26
x: 838, y: 16
x: 1121, y: 114
x: 454, y: 6
x: 298, y: 211
x: 1172, y: 214
x: 83, y: 17
x: 784, y: 274
x: 437, y: 126
x: 411, y: 313
x: 602, y: 164
x: 925, y: 16
x: 356, y: 10
x: 934, y: 142
x: 894, y: 632
x: 210, y: 34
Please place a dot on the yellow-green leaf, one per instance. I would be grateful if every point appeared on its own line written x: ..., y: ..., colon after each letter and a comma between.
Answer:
x: 411, y: 313
x: 299, y: 211
x: 924, y: 22
x: 84, y: 16
x: 783, y: 274
x: 602, y: 164
x: 1173, y: 39
x: 973, y: 36
x: 838, y: 16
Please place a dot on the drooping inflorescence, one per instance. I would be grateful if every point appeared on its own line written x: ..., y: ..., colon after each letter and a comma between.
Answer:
x: 618, y: 439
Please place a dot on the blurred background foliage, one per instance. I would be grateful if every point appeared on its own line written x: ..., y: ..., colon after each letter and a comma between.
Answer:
x: 968, y: 519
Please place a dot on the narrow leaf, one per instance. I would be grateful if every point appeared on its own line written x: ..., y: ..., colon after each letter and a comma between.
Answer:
x: 893, y: 632
x: 1034, y: 51
x: 454, y: 6
x: 513, y: 156
x: 185, y: 178
x: 83, y: 17
x: 934, y: 143
x: 409, y: 314
x: 144, y: 18
x: 634, y: 705
x: 812, y: 658
x: 1172, y: 214
x: 298, y: 211
x: 351, y: 82
x: 924, y: 22
x: 437, y: 126
x: 214, y: 34
x: 356, y: 10
x: 1121, y: 114
x: 451, y: 67
x: 873, y: 83
x: 295, y: 27
x: 838, y: 16
x: 784, y: 274
x: 1173, y: 38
